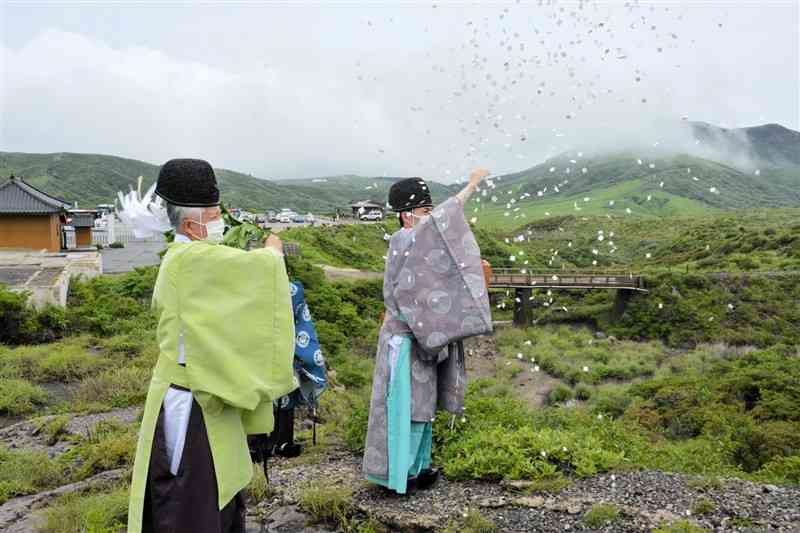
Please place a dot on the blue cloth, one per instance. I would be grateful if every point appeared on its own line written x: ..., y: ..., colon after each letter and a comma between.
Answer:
x: 409, y: 443
x: 309, y: 363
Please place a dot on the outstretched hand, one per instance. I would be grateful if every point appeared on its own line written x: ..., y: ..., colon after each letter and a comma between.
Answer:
x: 477, y: 175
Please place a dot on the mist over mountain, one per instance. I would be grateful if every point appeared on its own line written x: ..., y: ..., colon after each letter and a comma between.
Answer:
x: 695, y: 165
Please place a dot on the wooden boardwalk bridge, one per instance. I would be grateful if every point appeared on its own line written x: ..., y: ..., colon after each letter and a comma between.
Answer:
x: 523, y: 282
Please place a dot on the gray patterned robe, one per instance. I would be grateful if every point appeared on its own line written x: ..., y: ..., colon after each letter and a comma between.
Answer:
x: 434, y: 291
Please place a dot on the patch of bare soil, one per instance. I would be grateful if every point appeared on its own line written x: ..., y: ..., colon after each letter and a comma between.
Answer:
x: 348, y: 274
x: 483, y: 361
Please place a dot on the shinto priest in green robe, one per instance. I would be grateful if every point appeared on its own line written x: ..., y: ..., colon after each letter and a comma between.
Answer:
x: 226, y: 346
x: 435, y: 295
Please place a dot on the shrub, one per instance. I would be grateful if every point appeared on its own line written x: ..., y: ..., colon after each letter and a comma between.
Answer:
x: 703, y: 506
x: 97, y: 512
x: 355, y: 424
x: 601, y: 514
x: 25, y: 472
x: 109, y: 445
x: 329, y: 504
x: 583, y: 392
x: 681, y: 526
x: 119, y: 387
x: 559, y: 394
x: 781, y: 470
x: 19, y: 397
x: 117, y: 244
x: 21, y: 323
x: 53, y: 428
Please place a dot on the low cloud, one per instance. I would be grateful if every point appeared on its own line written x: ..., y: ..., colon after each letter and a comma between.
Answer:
x: 282, y: 92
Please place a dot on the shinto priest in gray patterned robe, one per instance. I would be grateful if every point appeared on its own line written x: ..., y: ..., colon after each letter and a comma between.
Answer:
x: 435, y: 295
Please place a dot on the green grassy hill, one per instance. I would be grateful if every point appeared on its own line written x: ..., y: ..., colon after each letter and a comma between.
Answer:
x: 348, y: 189
x: 91, y: 179
x: 658, y: 185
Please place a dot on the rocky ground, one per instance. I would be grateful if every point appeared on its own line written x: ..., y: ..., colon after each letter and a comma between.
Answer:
x: 644, y: 499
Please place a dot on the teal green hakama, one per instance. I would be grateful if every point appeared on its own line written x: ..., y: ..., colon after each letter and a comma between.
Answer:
x: 409, y: 443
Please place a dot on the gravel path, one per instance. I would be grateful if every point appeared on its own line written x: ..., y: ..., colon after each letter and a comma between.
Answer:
x: 645, y: 500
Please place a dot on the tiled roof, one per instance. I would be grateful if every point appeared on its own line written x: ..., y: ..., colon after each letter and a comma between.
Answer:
x: 82, y: 220
x: 17, y: 197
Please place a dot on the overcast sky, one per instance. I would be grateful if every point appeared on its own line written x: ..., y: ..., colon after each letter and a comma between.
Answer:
x: 375, y: 88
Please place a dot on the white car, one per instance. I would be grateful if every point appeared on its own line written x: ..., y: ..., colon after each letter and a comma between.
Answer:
x: 372, y: 215
x: 284, y: 218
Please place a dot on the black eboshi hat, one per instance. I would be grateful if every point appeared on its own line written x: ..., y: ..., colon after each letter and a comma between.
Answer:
x: 188, y: 183
x: 409, y: 194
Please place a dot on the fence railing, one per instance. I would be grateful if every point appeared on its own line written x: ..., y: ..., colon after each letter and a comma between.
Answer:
x: 113, y: 231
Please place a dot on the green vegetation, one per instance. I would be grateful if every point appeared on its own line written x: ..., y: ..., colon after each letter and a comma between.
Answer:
x: 474, y: 522
x: 19, y: 397
x: 94, y: 179
x: 600, y: 515
x: 24, y: 472
x: 327, y: 504
x: 691, y: 185
x: 681, y: 526
x: 704, y: 384
x: 359, y: 246
x: 575, y: 356
x: 103, y: 511
x: 703, y: 506
x: 53, y: 428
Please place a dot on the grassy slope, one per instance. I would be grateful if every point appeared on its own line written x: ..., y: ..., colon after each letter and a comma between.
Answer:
x: 620, y: 177
x: 629, y: 195
x: 91, y: 179
x: 344, y: 190
x: 758, y: 239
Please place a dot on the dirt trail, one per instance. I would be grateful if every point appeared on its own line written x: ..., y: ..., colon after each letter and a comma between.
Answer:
x: 483, y: 361
x: 348, y: 274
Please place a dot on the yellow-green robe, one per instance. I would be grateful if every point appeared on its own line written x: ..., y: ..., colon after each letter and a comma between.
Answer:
x: 233, y: 309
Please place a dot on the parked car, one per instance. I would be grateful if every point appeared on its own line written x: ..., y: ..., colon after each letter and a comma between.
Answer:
x: 284, y: 218
x: 299, y: 219
x: 372, y: 215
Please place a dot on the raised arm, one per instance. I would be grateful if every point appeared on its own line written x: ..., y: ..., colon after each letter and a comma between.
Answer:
x: 474, y: 179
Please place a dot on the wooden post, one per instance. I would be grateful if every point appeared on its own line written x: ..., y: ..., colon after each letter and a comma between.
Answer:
x: 620, y: 303
x: 522, y: 309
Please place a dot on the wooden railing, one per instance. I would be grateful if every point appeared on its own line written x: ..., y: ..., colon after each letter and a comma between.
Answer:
x: 517, y: 278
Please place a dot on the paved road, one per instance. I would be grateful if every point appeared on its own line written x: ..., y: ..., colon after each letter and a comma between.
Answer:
x: 135, y: 254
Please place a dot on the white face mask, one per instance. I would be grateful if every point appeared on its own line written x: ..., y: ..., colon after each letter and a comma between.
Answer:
x: 419, y: 219
x: 215, y: 230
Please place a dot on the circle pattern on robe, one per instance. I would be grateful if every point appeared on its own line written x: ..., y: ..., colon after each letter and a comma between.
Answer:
x: 407, y: 280
x: 408, y: 314
x: 306, y: 313
x: 476, y: 285
x: 319, y: 359
x: 440, y: 302
x: 419, y: 372
x: 292, y: 288
x: 285, y: 400
x: 303, y: 339
x: 437, y: 338
x: 442, y: 219
x: 470, y: 245
x: 439, y: 260
x: 472, y: 323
